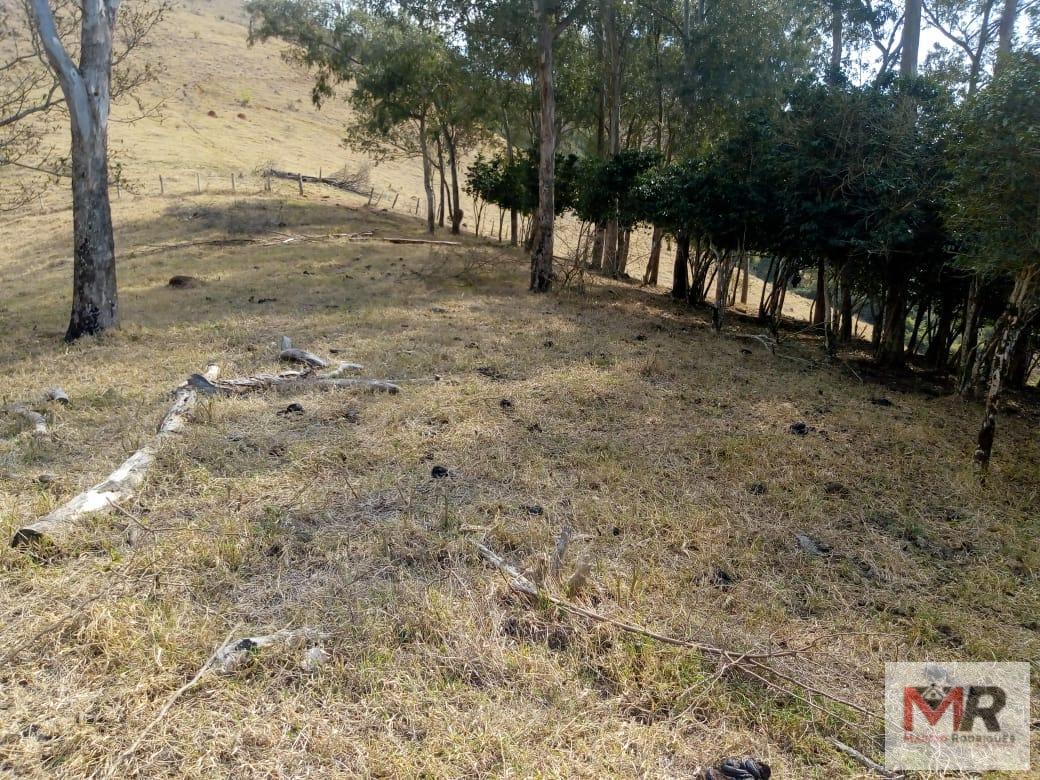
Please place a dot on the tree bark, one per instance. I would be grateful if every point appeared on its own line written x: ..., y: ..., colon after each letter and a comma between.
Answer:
x: 834, y: 75
x: 680, y: 270
x: 596, y: 262
x: 911, y: 39
x: 87, y: 91
x: 818, y: 313
x: 1021, y: 310
x: 1006, y: 32
x: 970, y: 337
x: 453, y: 166
x: 721, y: 291
x: 427, y: 163
x: 845, y: 329
x: 746, y: 269
x: 542, y: 249
x: 443, y: 183
x: 653, y: 265
x: 611, y: 258
x: 891, y: 348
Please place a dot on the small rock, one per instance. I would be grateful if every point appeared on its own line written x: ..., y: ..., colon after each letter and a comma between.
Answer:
x: 835, y: 489
x: 799, y: 429
x: 812, y: 546
x: 293, y: 408
x: 757, y: 488
x: 881, y: 402
x: 439, y: 472
x: 739, y: 769
x: 46, y: 479
x: 314, y: 659
x: 506, y: 404
x: 721, y: 578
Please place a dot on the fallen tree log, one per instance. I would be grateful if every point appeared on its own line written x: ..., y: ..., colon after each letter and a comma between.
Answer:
x: 121, y: 483
x: 340, y: 184
x: 34, y: 418
x: 290, y: 381
x: 309, y: 359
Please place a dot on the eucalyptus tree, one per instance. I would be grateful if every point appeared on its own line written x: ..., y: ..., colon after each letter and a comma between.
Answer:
x: 995, y: 208
x: 72, y: 58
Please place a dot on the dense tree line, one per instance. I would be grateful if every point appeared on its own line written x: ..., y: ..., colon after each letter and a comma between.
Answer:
x: 799, y: 138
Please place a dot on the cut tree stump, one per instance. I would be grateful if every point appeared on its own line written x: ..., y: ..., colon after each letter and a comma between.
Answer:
x: 120, y: 484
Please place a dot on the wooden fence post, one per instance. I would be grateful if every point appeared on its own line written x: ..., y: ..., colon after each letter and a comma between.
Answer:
x: 162, y: 186
x: 232, y: 184
x: 301, y: 182
x: 198, y: 183
x: 394, y: 205
x: 371, y: 192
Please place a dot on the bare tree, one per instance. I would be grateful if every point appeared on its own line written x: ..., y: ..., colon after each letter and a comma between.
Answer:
x: 85, y: 91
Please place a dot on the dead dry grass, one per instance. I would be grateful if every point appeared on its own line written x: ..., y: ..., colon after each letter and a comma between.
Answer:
x: 628, y: 421
x: 667, y: 450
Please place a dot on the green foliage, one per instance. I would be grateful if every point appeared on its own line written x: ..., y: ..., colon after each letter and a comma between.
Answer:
x: 995, y: 167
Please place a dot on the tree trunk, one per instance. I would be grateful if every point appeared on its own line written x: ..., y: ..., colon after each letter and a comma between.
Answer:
x: 680, y: 270
x: 94, y: 300
x: 87, y: 92
x: 623, y: 243
x: 970, y: 337
x: 891, y: 349
x: 453, y: 166
x: 746, y: 281
x: 611, y: 256
x: 653, y: 265
x: 834, y: 76
x: 596, y: 262
x: 1021, y: 309
x: 444, y: 186
x: 1021, y: 354
x: 937, y: 355
x: 821, y: 280
x: 845, y: 328
x: 911, y: 39
x: 721, y: 290
x: 1006, y: 32
x: 427, y: 163
x: 542, y: 249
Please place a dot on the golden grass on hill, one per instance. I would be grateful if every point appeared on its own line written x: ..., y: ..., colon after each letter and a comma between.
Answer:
x: 628, y: 421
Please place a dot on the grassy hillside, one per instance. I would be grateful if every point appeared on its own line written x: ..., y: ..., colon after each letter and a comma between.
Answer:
x: 668, y: 450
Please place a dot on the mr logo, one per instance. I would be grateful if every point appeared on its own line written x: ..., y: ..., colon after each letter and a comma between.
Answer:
x: 967, y: 704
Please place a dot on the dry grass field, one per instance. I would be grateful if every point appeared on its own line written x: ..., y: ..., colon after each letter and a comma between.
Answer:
x: 611, y: 411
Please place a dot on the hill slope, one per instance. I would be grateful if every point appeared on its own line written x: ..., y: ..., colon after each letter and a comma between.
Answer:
x: 666, y: 449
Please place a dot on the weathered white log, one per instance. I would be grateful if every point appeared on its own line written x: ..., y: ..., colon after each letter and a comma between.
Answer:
x: 57, y: 395
x: 121, y: 483
x: 37, y: 420
x: 232, y: 655
x: 292, y: 355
